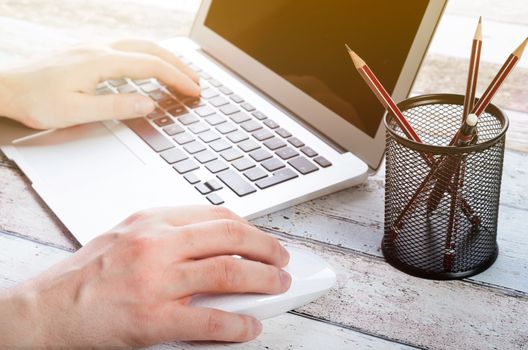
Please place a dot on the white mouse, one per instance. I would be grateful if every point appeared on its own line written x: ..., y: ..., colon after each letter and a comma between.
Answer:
x: 311, y: 278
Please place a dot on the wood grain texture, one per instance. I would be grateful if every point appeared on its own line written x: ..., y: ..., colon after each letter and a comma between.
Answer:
x: 20, y: 259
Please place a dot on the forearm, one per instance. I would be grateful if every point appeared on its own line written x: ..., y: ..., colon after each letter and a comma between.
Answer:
x: 19, y: 326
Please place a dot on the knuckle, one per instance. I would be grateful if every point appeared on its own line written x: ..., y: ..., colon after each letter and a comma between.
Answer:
x: 221, y: 212
x: 214, y: 324
x: 138, y: 216
x: 138, y: 246
x: 228, y: 273
x: 234, y: 232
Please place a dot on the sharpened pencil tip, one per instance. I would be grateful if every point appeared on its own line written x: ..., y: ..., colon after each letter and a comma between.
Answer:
x: 358, y: 62
x: 480, y: 19
x: 478, y: 31
x: 518, y: 51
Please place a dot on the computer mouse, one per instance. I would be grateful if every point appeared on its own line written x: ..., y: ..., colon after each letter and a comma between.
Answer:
x: 311, y: 278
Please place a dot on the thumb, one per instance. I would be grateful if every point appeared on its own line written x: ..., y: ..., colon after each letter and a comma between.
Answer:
x: 89, y: 108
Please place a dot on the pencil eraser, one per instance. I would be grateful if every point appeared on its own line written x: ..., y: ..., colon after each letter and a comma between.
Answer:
x: 471, y: 119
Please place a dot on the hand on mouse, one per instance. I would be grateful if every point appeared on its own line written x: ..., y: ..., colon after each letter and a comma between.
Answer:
x: 132, y: 286
x: 60, y: 91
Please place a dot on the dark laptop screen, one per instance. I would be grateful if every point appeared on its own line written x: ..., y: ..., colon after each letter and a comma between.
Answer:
x: 303, y: 41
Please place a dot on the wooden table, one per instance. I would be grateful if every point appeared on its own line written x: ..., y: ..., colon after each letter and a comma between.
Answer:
x: 373, y: 305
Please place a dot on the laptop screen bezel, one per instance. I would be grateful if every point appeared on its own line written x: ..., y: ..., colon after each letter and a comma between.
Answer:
x: 303, y: 106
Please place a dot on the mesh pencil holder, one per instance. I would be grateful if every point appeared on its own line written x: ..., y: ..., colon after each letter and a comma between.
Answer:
x: 441, y: 203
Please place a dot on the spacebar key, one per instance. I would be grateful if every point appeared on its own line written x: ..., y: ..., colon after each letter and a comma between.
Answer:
x: 148, y: 134
x: 236, y: 182
x: 277, y: 178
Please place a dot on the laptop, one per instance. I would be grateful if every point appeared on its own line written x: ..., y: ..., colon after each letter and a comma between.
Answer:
x: 283, y: 116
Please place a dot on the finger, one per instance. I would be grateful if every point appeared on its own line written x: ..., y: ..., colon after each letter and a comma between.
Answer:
x: 82, y: 108
x: 141, y: 66
x: 148, y: 47
x: 188, y: 323
x: 226, y: 237
x: 226, y: 274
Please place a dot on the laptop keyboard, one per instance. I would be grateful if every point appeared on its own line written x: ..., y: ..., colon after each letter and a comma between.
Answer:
x: 240, y: 147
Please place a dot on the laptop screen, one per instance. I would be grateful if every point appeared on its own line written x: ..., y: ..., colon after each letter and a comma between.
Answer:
x: 303, y: 42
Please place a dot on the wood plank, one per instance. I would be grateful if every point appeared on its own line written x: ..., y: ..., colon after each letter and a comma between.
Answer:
x: 352, y: 218
x: 21, y: 259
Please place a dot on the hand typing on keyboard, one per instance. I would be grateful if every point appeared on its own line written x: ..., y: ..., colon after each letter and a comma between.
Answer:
x: 60, y: 91
x: 131, y: 287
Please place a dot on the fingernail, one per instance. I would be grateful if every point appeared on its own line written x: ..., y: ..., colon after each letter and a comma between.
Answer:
x: 257, y: 327
x: 285, y: 255
x: 285, y: 278
x: 144, y: 106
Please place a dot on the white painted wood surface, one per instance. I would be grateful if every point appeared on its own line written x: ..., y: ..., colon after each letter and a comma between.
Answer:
x: 487, y: 311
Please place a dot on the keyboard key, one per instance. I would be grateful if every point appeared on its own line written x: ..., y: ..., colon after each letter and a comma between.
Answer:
x: 149, y: 134
x: 248, y: 145
x: 270, y: 123
x: 277, y: 178
x: 237, y: 136
x: 185, y: 166
x: 173, y: 155
x: 203, y: 189
x: 322, y: 161
x: 163, y: 121
x: 194, y: 147
x: 274, y: 143
x: 236, y: 98
x: 193, y: 102
x: 194, y: 67
x: 259, y: 115
x: 220, y: 145
x: 295, y: 142
x: 218, y: 101
x: 308, y: 151
x: 117, y: 82
x: 177, y: 110
x: 216, y: 166
x: 226, y: 128
x: 272, y: 164
x: 255, y: 174
x: 260, y: 155
x: 214, y: 185
x: 287, y: 153
x: 225, y: 90
x: 191, y: 178
x: 251, y: 125
x: 283, y: 132
x: 198, y: 128
x: 236, y: 183
x: 103, y: 90
x: 209, y: 136
x: 156, y: 114
x: 205, y: 156
x: 168, y: 103
x: 263, y: 134
x: 142, y: 81
x: 240, y: 117
x: 248, y: 107
x: 149, y: 86
x: 229, y: 109
x: 204, y: 75
x: 215, y: 119
x: 215, y: 199
x: 231, y: 154
x: 126, y: 89
x: 158, y: 95
x: 173, y: 129
x: 243, y: 164
x: 303, y: 165
x: 215, y: 82
x: 204, y: 111
x: 183, y: 138
x: 209, y: 93
x: 188, y: 118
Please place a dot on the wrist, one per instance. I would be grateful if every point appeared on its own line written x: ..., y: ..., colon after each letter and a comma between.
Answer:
x: 19, y: 324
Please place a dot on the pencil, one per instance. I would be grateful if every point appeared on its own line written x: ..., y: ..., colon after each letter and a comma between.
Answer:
x: 496, y: 83
x: 469, y: 98
x: 382, y: 95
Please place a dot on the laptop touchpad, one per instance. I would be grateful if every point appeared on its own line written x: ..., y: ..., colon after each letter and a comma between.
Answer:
x: 77, y: 154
